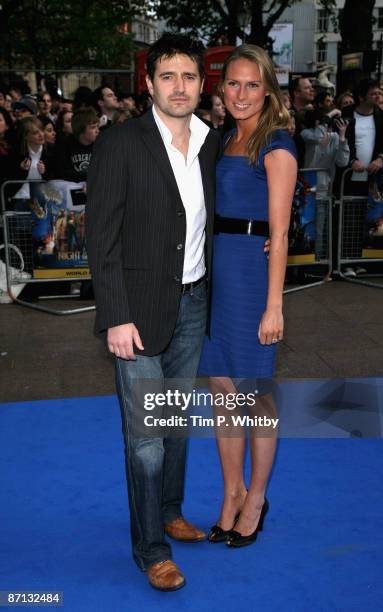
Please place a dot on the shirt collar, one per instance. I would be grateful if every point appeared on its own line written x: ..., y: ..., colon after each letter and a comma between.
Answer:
x: 36, y: 153
x: 198, y: 131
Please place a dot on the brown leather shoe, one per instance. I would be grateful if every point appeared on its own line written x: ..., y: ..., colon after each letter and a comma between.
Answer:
x: 165, y: 576
x: 181, y: 530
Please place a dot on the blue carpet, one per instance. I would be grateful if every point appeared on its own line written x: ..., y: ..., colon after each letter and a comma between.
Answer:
x: 64, y: 520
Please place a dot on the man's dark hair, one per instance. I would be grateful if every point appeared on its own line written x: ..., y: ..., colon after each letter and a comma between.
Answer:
x: 363, y: 87
x: 320, y: 97
x: 82, y: 118
x: 83, y: 96
x: 169, y: 45
x: 294, y: 86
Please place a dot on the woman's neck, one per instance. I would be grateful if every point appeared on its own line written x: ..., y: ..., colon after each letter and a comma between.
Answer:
x: 245, y: 128
x: 34, y: 147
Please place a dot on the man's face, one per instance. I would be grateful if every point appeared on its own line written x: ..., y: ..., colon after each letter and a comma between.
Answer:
x: 45, y: 104
x: 176, y: 86
x: 90, y: 133
x: 109, y: 100
x: 22, y: 112
x: 372, y: 96
x: 305, y: 91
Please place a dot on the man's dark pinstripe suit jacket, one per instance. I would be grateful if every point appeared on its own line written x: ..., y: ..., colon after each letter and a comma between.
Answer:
x: 135, y: 220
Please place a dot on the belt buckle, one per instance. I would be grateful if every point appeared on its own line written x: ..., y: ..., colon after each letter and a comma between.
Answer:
x: 249, y: 227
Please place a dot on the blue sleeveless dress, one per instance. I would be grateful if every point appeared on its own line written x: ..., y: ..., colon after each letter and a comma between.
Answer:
x: 240, y: 272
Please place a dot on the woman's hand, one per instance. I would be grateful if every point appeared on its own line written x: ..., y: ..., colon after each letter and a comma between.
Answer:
x: 41, y: 167
x: 25, y: 164
x: 271, y: 326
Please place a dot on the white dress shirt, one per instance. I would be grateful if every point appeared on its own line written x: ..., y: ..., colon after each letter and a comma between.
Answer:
x: 364, y: 143
x: 189, y: 180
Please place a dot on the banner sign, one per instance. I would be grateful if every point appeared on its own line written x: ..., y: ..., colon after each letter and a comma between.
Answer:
x: 373, y: 236
x: 282, y: 36
x: 302, y: 232
x: 58, y: 230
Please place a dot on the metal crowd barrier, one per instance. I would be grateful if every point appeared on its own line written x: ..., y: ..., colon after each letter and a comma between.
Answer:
x: 351, y: 234
x: 17, y: 230
x: 323, y: 249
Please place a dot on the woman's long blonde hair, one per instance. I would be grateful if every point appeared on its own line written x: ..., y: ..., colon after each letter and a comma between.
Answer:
x: 275, y: 115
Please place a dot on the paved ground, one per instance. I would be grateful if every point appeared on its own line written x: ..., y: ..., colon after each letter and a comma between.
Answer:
x: 335, y: 330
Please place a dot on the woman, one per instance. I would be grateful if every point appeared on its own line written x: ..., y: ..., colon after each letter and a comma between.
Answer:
x: 63, y: 126
x: 256, y: 178
x: 49, y: 131
x: 30, y: 159
x: 6, y: 140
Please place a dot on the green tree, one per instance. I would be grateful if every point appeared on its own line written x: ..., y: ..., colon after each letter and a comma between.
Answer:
x: 55, y: 33
x: 220, y: 20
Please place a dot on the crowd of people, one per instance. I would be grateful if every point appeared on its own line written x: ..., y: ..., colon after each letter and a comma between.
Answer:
x: 52, y: 137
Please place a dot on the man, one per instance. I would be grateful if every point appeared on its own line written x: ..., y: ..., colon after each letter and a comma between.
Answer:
x: 302, y: 97
x: 106, y: 103
x: 365, y: 137
x: 302, y: 94
x: 149, y: 227
x: 25, y: 107
x: 44, y: 102
x: 74, y: 153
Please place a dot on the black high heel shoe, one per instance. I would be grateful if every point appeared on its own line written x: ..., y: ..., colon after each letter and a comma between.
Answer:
x: 218, y: 535
x: 237, y: 540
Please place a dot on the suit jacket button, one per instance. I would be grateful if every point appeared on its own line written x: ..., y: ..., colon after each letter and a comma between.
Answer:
x: 180, y: 213
x: 179, y: 247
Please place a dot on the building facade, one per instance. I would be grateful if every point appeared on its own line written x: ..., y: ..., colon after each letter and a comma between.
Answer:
x: 315, y: 35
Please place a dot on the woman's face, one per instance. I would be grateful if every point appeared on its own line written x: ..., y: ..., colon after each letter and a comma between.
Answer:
x: 35, y: 136
x: 8, y: 103
x: 49, y: 134
x: 347, y: 101
x: 3, y: 125
x: 244, y: 92
x: 67, y: 123
x: 217, y: 107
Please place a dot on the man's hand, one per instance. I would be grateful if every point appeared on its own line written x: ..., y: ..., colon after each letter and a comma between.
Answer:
x: 121, y: 339
x: 325, y: 139
x: 341, y: 124
x: 375, y: 166
x: 357, y: 166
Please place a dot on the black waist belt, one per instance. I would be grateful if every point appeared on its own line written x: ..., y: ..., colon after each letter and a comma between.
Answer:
x: 251, y: 227
x: 187, y: 287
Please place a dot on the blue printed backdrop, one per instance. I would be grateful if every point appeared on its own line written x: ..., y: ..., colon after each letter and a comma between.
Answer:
x: 58, y: 227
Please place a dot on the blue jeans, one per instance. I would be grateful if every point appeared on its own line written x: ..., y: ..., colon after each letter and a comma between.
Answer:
x: 155, y: 466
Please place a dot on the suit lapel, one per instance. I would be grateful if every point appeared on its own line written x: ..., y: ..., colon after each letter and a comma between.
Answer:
x: 207, y: 170
x: 154, y: 143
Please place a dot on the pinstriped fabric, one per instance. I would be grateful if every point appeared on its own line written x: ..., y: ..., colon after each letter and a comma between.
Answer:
x: 134, y: 221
